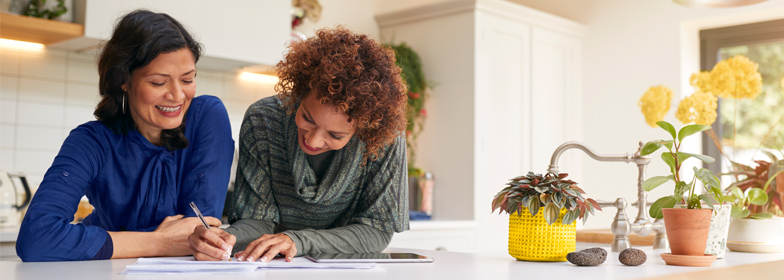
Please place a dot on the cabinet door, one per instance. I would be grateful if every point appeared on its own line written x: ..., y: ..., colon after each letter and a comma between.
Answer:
x: 503, y: 115
x: 247, y: 31
x: 555, y: 98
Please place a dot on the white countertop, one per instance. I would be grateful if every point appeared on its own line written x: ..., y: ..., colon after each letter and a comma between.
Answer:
x: 447, y: 265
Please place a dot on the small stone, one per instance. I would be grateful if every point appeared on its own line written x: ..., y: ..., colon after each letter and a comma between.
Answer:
x: 632, y: 257
x: 588, y: 257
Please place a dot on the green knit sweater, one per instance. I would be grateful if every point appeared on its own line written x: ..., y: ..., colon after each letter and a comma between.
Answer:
x: 353, y: 208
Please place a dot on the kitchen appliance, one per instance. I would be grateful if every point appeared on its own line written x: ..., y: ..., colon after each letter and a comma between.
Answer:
x: 10, y: 208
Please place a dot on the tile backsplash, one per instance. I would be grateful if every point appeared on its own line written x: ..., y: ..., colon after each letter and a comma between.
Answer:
x: 44, y: 94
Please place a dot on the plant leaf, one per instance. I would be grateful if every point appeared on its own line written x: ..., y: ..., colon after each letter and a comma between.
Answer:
x: 653, y: 182
x: 669, y: 160
x: 652, y: 146
x: 757, y: 196
x: 707, y: 177
x: 570, y: 217
x: 744, y: 213
x: 550, y: 213
x: 708, y: 199
x: 691, y: 129
x: 680, y: 188
x: 533, y: 206
x: 762, y: 215
x: 668, y: 127
x: 704, y: 158
x: 656, y: 207
x: 735, y: 212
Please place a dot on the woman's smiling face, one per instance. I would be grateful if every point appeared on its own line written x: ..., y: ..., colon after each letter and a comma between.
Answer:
x: 321, y: 127
x: 159, y: 94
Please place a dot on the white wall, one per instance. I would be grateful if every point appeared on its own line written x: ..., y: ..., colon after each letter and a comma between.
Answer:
x: 46, y: 94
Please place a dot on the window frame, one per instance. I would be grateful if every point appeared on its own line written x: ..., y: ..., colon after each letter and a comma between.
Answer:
x: 711, y: 40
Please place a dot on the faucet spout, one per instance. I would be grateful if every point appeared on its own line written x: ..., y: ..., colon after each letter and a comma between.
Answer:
x: 636, y: 157
x: 621, y: 226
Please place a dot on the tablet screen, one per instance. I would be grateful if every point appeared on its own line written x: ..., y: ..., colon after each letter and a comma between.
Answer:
x: 369, y: 257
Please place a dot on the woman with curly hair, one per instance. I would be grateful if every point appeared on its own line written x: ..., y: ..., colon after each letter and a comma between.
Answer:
x: 322, y: 166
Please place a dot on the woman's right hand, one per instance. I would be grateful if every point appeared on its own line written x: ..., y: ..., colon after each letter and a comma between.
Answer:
x: 213, y: 244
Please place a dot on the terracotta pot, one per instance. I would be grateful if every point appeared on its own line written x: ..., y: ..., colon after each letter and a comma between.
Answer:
x: 687, y: 230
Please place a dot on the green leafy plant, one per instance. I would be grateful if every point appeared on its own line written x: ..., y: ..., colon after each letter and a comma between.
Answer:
x: 674, y: 158
x: 759, y: 194
x: 408, y: 61
x: 741, y: 201
x: 551, y: 192
x: 36, y: 9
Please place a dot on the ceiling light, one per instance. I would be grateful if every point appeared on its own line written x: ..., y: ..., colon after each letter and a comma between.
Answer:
x: 716, y: 3
x: 256, y: 77
x: 14, y: 44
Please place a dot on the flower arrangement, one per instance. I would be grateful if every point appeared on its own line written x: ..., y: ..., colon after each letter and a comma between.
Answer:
x: 551, y: 192
x: 733, y: 78
x: 408, y: 60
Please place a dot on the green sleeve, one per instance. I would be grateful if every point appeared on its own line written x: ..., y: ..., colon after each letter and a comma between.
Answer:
x: 355, y: 238
x: 253, y: 211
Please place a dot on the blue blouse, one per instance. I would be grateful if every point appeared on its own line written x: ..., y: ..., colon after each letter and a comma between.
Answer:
x: 132, y: 184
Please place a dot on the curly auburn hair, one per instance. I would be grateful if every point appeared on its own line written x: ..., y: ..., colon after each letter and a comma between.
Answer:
x: 353, y: 73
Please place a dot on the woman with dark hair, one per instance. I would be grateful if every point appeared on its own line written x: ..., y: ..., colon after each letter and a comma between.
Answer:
x: 322, y: 166
x: 154, y: 149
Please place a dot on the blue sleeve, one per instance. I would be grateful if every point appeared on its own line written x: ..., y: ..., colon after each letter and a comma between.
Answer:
x: 207, y: 169
x: 46, y: 233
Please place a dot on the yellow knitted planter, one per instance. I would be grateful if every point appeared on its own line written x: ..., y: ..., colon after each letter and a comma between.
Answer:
x: 532, y: 239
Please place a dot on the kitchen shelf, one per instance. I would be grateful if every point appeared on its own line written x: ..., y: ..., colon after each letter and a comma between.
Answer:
x: 37, y: 30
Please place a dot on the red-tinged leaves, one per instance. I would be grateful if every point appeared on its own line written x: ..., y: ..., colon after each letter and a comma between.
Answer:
x: 594, y: 204
x: 535, y: 191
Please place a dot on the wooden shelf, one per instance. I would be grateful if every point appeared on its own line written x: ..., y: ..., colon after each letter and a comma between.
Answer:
x: 606, y: 236
x: 37, y: 30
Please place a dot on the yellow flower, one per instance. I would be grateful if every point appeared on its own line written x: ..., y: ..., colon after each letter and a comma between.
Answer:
x: 699, y: 108
x: 702, y: 81
x: 655, y: 103
x: 735, y: 77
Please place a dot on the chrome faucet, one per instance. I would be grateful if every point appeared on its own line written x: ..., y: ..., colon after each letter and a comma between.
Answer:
x: 621, y: 228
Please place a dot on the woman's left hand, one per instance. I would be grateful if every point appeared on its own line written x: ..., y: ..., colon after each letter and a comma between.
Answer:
x: 267, y: 247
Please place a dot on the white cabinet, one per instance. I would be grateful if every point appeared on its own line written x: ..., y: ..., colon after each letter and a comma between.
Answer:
x: 234, y: 33
x: 508, y: 93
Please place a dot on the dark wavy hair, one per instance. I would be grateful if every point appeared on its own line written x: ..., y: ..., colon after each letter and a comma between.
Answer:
x: 139, y: 37
x: 353, y: 73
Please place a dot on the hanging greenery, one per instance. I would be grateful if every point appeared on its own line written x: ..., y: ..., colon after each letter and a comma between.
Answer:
x: 36, y: 9
x: 408, y: 60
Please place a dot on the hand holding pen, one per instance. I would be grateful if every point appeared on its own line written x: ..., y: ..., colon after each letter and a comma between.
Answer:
x: 210, y: 243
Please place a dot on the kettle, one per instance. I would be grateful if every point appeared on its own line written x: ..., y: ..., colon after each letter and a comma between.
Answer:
x: 10, y: 209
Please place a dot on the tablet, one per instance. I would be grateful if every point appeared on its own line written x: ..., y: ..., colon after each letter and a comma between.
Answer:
x: 369, y: 257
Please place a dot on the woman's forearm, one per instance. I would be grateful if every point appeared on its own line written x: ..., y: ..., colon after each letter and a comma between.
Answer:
x: 355, y: 238
x: 134, y: 244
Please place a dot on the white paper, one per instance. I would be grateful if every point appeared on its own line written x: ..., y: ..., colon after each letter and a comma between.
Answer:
x: 191, y: 265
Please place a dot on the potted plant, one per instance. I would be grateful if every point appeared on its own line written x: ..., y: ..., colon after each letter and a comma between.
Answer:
x: 754, y: 228
x: 407, y: 59
x: 687, y: 228
x: 542, y: 213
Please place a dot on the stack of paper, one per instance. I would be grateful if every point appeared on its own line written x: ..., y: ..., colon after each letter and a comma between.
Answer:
x: 191, y: 265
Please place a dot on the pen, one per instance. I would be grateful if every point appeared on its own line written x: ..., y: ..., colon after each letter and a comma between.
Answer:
x: 201, y: 218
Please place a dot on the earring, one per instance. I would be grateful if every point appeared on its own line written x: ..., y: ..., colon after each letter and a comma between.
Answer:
x: 123, y: 104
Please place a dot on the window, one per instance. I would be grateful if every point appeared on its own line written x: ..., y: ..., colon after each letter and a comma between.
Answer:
x: 747, y: 126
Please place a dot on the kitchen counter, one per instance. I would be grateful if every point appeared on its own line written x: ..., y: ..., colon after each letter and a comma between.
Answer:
x: 447, y: 265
